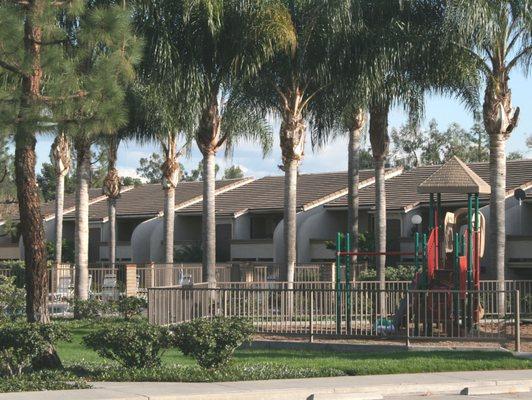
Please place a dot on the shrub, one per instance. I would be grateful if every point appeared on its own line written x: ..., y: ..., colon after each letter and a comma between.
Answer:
x: 12, y: 299
x: 68, y: 250
x: 189, y: 253
x: 194, y: 373
x: 42, y: 380
x: 24, y: 343
x: 129, y: 307
x: 133, y: 344
x: 399, y: 273
x: 17, y: 271
x: 89, y: 309
x: 212, y: 342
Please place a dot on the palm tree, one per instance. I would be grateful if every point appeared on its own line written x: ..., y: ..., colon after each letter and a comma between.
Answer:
x: 224, y: 42
x: 106, y: 72
x: 62, y: 161
x: 288, y: 85
x: 111, y: 188
x: 161, y: 110
x: 497, y: 36
x: 405, y: 40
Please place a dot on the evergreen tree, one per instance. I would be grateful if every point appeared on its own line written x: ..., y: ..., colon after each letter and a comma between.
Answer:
x: 47, y: 181
x: 63, y: 65
x: 233, y: 172
x: 150, y: 168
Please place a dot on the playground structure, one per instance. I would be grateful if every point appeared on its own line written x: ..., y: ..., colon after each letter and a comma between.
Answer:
x: 447, y: 258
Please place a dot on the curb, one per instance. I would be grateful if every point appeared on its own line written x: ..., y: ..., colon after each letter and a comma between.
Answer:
x: 356, y: 347
x: 299, y: 390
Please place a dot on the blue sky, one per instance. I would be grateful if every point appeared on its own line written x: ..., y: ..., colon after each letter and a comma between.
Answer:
x: 444, y: 110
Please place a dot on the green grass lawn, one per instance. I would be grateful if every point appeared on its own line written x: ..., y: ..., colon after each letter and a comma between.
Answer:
x: 296, y: 362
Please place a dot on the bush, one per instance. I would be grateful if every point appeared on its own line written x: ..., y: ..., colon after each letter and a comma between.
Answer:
x: 23, y: 343
x: 67, y: 248
x: 89, y: 309
x: 133, y: 344
x: 399, y: 273
x: 129, y: 307
x: 42, y: 380
x: 189, y: 253
x: 212, y: 342
x: 17, y: 271
x: 194, y: 373
x: 12, y: 299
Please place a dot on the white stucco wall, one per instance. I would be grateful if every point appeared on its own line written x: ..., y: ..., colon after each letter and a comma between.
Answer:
x: 242, y: 227
x: 141, y: 241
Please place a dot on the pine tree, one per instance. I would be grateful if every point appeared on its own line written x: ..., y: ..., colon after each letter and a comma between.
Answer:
x: 61, y: 63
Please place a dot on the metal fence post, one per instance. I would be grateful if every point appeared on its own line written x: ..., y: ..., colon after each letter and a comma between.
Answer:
x: 311, y: 327
x: 407, y: 319
x: 517, y: 322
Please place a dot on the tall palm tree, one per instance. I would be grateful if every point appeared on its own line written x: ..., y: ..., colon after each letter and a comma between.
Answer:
x: 497, y: 35
x: 106, y: 71
x: 111, y: 188
x: 224, y: 42
x: 161, y: 110
x: 405, y: 40
x: 288, y: 85
x: 62, y: 160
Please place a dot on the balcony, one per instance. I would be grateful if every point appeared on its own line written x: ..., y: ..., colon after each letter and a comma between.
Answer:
x: 519, y: 251
x: 9, y: 251
x: 320, y: 252
x: 252, y: 250
x: 123, y: 251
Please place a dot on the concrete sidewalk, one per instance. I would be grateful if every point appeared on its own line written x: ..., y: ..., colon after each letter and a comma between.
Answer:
x: 359, y: 387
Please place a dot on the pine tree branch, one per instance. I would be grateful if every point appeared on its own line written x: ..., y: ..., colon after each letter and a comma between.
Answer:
x: 47, y: 99
x: 12, y: 68
x: 49, y: 42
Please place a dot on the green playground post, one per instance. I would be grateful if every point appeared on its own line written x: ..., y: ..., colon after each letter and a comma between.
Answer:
x: 431, y: 211
x: 338, y: 279
x: 416, y: 251
x: 348, y: 281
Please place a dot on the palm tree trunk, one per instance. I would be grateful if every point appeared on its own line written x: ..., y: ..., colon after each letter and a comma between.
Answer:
x: 380, y: 222
x: 59, y: 205
x: 111, y: 188
x: 209, y: 218
x: 61, y: 159
x: 290, y: 218
x: 169, y: 217
x: 379, y: 145
x: 111, y: 209
x: 353, y: 180
x: 32, y: 229
x: 497, y: 224
x: 499, y: 120
x: 83, y: 155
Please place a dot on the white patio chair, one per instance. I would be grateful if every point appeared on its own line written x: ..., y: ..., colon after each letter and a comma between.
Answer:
x: 65, y: 289
x: 110, y: 287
